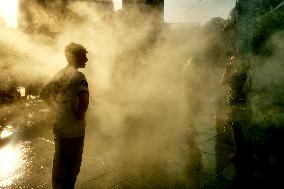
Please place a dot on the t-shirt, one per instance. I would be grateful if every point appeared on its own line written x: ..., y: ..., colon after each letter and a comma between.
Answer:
x: 63, y: 90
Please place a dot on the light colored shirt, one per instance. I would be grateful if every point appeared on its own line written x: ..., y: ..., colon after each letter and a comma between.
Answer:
x: 64, y: 89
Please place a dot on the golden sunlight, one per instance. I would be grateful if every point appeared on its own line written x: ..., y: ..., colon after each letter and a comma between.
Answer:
x: 10, y: 161
x: 8, y: 131
x: 9, y: 12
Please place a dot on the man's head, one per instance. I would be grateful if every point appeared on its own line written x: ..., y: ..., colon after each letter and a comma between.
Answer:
x: 76, y: 55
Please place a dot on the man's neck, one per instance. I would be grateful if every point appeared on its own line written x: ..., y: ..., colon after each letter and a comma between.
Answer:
x: 72, y: 66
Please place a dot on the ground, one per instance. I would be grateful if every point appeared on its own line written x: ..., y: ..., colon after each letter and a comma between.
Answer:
x: 31, y: 150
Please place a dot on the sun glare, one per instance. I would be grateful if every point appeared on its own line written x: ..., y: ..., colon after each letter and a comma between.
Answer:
x: 6, y: 132
x: 117, y: 4
x: 10, y: 161
x: 8, y: 157
x: 9, y: 12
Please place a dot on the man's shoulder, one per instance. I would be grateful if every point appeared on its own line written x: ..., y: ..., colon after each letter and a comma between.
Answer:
x: 83, y: 80
x: 79, y: 75
x: 79, y: 79
x: 69, y: 72
x: 63, y: 72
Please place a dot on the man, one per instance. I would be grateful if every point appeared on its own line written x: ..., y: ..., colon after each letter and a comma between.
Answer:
x: 224, y: 130
x: 67, y: 94
x: 236, y: 76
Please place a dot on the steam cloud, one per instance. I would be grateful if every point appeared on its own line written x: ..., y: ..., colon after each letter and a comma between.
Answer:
x: 138, y: 117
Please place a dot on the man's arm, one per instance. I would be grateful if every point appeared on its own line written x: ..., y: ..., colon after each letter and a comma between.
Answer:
x: 45, y: 93
x: 82, y: 105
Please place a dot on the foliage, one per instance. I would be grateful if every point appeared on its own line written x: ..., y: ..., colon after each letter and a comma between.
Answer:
x: 264, y: 28
x: 220, y: 36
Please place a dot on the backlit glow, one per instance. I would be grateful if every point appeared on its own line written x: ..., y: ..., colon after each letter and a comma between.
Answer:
x: 6, y: 132
x: 9, y: 12
x: 10, y: 161
x: 117, y: 4
x: 22, y: 90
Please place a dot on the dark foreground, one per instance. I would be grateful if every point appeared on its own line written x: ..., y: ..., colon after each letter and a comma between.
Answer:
x: 26, y: 155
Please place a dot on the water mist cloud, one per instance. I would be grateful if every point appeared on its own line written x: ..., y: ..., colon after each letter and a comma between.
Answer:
x: 135, y: 78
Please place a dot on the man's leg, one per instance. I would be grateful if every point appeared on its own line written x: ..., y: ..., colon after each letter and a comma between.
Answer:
x: 73, y: 158
x: 58, y: 168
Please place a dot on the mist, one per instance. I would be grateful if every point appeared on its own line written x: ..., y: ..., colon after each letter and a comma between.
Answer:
x: 149, y: 95
x: 266, y: 94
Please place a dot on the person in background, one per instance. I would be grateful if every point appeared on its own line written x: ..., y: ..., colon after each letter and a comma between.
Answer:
x: 224, y: 142
x: 67, y: 94
x: 239, y: 84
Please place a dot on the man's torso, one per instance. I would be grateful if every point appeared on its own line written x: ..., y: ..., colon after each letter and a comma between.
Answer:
x: 67, y: 84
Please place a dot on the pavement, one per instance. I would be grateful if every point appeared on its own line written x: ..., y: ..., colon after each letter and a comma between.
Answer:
x: 140, y: 160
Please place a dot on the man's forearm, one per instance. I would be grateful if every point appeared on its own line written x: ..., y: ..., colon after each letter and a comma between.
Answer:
x: 82, y: 105
x: 80, y: 114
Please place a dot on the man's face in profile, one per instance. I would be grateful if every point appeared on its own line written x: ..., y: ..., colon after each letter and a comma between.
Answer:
x: 82, y: 59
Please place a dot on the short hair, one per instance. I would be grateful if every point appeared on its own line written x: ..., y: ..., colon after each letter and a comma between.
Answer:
x: 73, y: 49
